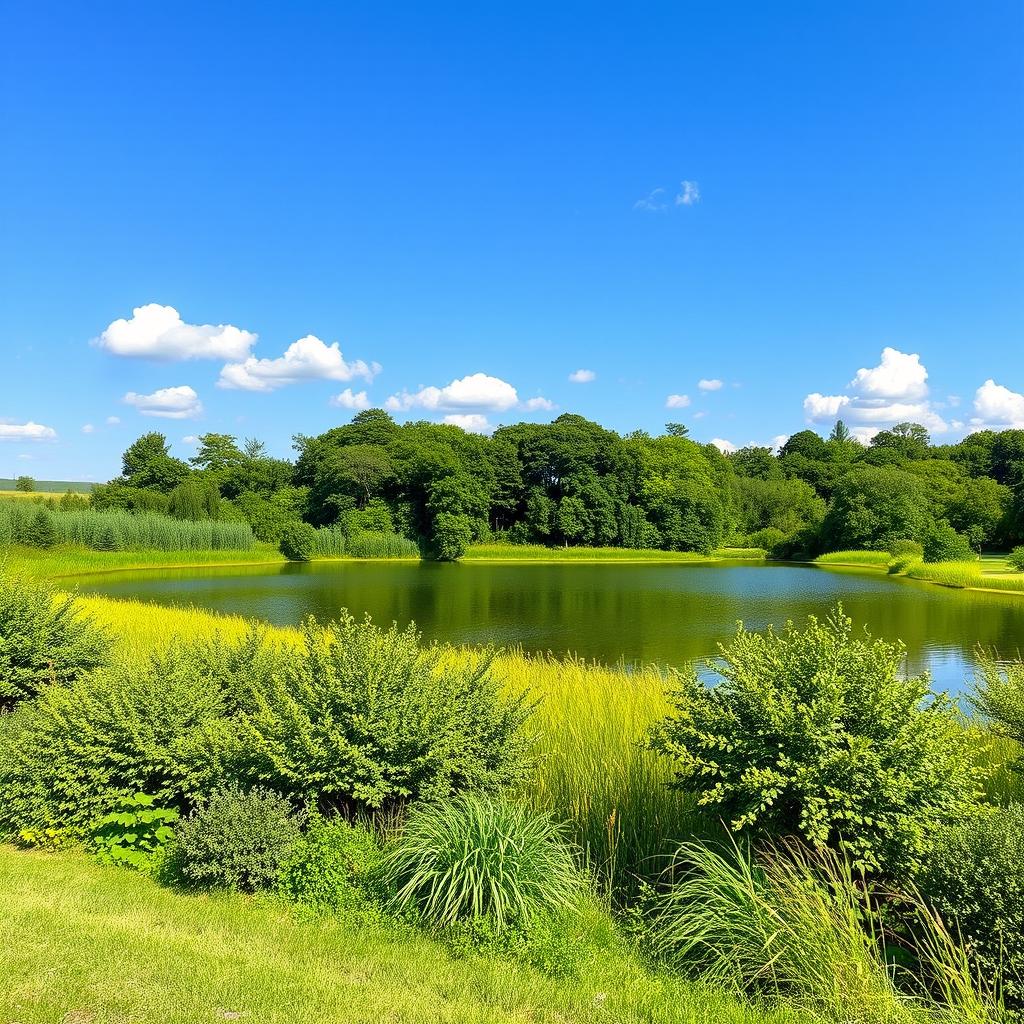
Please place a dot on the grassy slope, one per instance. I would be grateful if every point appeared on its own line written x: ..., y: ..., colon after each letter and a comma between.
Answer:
x: 88, y: 944
x: 989, y: 573
x: 47, y: 487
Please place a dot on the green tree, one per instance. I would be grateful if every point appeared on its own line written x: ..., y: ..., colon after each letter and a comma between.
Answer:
x: 756, y: 463
x: 195, y: 498
x: 980, y: 509
x: 147, y: 463
x: 872, y: 507
x: 25, y: 484
x: 297, y: 542
x: 41, y: 531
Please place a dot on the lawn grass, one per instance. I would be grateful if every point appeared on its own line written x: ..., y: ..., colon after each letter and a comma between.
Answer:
x: 83, y: 943
x: 879, y: 559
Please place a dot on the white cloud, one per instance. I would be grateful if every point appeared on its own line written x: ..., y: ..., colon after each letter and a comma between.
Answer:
x: 689, y: 193
x: 112, y: 421
x: 582, y: 376
x: 88, y: 428
x: 677, y: 401
x: 348, y: 400
x: 714, y: 384
x: 158, y: 332
x: 306, y: 359
x: 190, y: 439
x: 998, y: 407
x: 699, y: 414
x: 538, y: 404
x: 654, y: 200
x: 899, y: 375
x: 820, y: 408
x: 473, y: 422
x: 476, y: 391
x: 778, y: 441
x: 178, y: 403
x: 726, y: 447
x: 26, y: 431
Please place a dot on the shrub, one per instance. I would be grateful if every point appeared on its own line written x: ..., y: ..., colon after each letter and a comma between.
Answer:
x: 236, y: 840
x: 298, y: 542
x: 44, y: 638
x: 336, y: 866
x: 157, y: 727
x: 999, y: 694
x: 135, y: 833
x: 358, y: 716
x: 479, y: 857
x: 769, y: 539
x: 943, y: 544
x: 975, y: 878
x: 817, y: 733
x: 906, y: 549
x: 901, y: 564
x: 1015, y: 559
x: 40, y: 531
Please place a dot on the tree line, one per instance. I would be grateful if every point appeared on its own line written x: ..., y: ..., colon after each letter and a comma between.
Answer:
x: 574, y: 482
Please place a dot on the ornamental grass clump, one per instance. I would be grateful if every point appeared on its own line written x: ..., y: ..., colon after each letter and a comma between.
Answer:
x: 999, y: 695
x: 480, y: 857
x: 817, y: 733
x: 44, y: 638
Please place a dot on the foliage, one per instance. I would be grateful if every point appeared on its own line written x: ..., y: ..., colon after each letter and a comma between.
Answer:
x: 298, y: 542
x: 194, y: 498
x: 44, y: 638
x: 480, y: 857
x: 1015, y: 559
x: 788, y: 923
x: 358, y: 715
x: 236, y: 840
x: 817, y: 733
x: 975, y: 877
x: 905, y: 548
x: 26, y: 484
x: 879, y: 558
x: 135, y: 833
x: 999, y: 694
x: 942, y: 543
x: 40, y: 531
x: 375, y: 544
x: 336, y: 867
x: 871, y: 507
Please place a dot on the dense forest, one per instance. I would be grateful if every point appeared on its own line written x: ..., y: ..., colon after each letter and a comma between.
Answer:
x: 573, y: 482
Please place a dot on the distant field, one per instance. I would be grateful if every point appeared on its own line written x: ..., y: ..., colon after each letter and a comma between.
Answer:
x: 50, y: 486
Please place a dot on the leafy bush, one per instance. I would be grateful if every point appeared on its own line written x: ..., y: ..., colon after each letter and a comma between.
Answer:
x: 975, y: 878
x: 336, y: 866
x: 135, y: 833
x: 1015, y: 559
x: 480, y: 857
x: 237, y: 840
x: 906, y: 548
x: 999, y: 694
x: 298, y: 542
x: 943, y: 544
x: 158, y: 727
x: 364, y: 717
x: 40, y: 532
x: 902, y: 564
x: 817, y: 733
x: 769, y: 539
x: 44, y: 638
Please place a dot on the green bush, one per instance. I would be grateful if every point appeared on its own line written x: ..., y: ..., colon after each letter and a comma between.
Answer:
x: 44, y: 638
x: 975, y: 878
x: 769, y: 539
x: 478, y: 857
x: 298, y: 542
x: 817, y: 733
x: 1015, y: 559
x: 999, y: 694
x: 40, y: 531
x: 906, y: 549
x: 942, y: 543
x: 134, y: 834
x: 335, y: 867
x: 236, y: 840
x: 69, y: 756
x: 361, y: 717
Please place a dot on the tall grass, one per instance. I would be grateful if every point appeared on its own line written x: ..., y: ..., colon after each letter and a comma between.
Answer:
x: 752, y: 554
x: 329, y: 543
x: 791, y: 924
x: 117, y: 530
x: 381, y: 544
x: 878, y: 558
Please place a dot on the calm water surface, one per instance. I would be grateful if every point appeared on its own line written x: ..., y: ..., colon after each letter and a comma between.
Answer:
x: 638, y: 613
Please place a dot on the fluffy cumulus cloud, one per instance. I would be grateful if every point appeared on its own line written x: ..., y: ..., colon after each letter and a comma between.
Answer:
x: 25, y: 431
x: 476, y: 391
x: 158, y: 332
x: 474, y: 422
x: 677, y: 401
x: 347, y: 400
x: 709, y: 384
x: 894, y: 391
x: 726, y: 447
x: 997, y: 407
x: 538, y: 404
x: 306, y: 359
x: 88, y: 428
x: 582, y: 376
x: 178, y: 403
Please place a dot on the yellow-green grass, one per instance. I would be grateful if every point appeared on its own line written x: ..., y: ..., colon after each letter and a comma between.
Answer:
x: 83, y: 943
x: 879, y: 559
x: 978, y: 574
x: 540, y: 553
x: 752, y: 554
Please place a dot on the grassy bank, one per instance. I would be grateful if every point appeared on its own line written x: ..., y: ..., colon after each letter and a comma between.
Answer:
x: 991, y: 573
x: 540, y: 553
x: 83, y: 943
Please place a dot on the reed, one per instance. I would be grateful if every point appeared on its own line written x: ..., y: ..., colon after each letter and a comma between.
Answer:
x: 876, y: 558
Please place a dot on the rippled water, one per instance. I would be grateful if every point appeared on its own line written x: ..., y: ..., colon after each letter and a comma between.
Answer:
x: 640, y: 613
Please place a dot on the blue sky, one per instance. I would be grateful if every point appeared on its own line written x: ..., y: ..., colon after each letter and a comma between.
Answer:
x: 464, y: 199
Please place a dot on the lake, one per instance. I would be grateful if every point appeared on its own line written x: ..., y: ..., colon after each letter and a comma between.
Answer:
x: 663, y: 613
